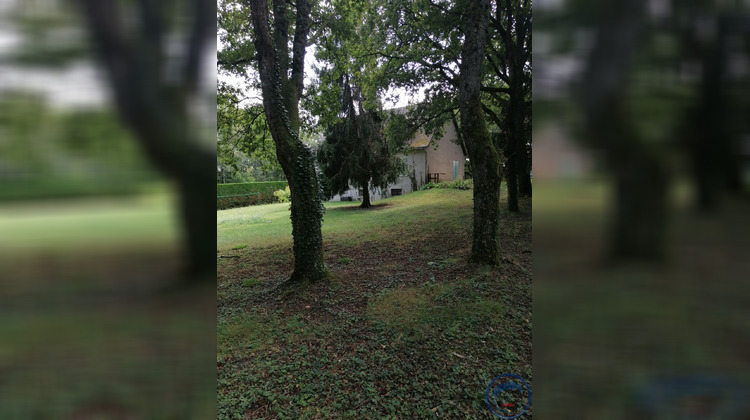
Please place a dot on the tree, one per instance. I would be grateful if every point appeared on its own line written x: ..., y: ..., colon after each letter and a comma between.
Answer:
x: 344, y: 99
x: 509, y: 66
x: 357, y: 152
x: 485, y: 162
x: 282, y: 86
x: 427, y: 46
x: 155, y: 103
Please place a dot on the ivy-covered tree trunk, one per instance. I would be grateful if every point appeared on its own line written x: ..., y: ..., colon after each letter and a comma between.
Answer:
x: 365, y: 193
x: 485, y: 162
x: 281, y: 94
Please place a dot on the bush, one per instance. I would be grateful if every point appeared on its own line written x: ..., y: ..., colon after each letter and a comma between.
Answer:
x: 458, y: 184
x: 284, y: 195
x: 246, y: 194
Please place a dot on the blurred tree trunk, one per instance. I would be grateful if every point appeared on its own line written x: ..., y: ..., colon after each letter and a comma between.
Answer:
x: 158, y: 111
x: 485, y: 163
x: 638, y: 229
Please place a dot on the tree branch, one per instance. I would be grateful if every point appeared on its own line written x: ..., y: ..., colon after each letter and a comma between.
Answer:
x: 301, y: 30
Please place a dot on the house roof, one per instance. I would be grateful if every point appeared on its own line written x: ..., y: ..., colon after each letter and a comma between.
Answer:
x: 420, y: 140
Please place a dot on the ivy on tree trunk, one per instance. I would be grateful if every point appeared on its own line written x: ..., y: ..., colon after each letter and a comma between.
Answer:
x: 281, y: 95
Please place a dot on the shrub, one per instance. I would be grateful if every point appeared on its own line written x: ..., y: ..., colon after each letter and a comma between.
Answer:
x: 458, y: 184
x: 246, y: 194
x: 284, y: 195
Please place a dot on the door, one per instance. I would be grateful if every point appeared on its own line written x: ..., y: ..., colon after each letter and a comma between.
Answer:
x: 455, y: 170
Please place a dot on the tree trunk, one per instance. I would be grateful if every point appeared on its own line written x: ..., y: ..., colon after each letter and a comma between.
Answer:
x: 365, y: 193
x: 640, y: 217
x: 157, y: 112
x: 485, y: 163
x: 307, y: 213
x: 200, y: 235
x: 512, y: 182
x: 639, y: 222
x: 281, y: 104
x: 524, y: 174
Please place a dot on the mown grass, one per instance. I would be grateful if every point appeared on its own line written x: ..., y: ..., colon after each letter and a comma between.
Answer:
x: 82, y: 335
x: 83, y: 224
x: 269, y: 224
x: 404, y: 329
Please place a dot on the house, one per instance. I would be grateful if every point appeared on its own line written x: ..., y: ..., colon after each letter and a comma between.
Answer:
x: 557, y: 156
x: 428, y: 159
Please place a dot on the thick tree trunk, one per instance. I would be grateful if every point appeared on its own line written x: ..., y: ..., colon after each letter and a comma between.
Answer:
x: 640, y: 218
x: 200, y: 234
x: 512, y: 182
x: 485, y: 162
x: 639, y: 222
x: 365, y: 193
x: 157, y: 112
x: 307, y: 213
x: 281, y: 104
x: 524, y: 179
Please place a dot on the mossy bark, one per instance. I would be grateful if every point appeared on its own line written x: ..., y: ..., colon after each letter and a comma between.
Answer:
x: 281, y: 104
x: 485, y: 162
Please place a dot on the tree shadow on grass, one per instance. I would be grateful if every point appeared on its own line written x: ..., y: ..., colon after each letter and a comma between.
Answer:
x: 377, y: 206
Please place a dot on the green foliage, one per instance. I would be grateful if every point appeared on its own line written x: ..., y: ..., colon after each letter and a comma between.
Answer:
x: 284, y: 196
x: 46, y: 153
x: 356, y: 152
x: 458, y: 184
x: 245, y: 148
x: 246, y: 194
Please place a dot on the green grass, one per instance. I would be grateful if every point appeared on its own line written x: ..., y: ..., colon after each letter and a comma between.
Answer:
x: 607, y: 331
x: 77, y: 358
x: 405, y: 328
x: 76, y: 334
x: 93, y: 223
x: 269, y: 224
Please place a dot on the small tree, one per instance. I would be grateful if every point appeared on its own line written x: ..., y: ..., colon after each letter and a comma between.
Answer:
x: 357, y: 152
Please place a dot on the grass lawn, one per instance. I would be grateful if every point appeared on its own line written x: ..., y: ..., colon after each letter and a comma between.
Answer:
x: 605, y: 333
x: 404, y: 329
x: 81, y: 339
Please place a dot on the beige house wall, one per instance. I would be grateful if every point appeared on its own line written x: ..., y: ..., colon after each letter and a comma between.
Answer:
x: 441, y: 160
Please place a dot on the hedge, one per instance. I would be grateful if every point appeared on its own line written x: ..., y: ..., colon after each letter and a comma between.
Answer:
x: 247, y: 194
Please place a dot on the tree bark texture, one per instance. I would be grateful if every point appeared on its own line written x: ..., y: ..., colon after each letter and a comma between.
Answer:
x: 281, y: 104
x: 485, y: 162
